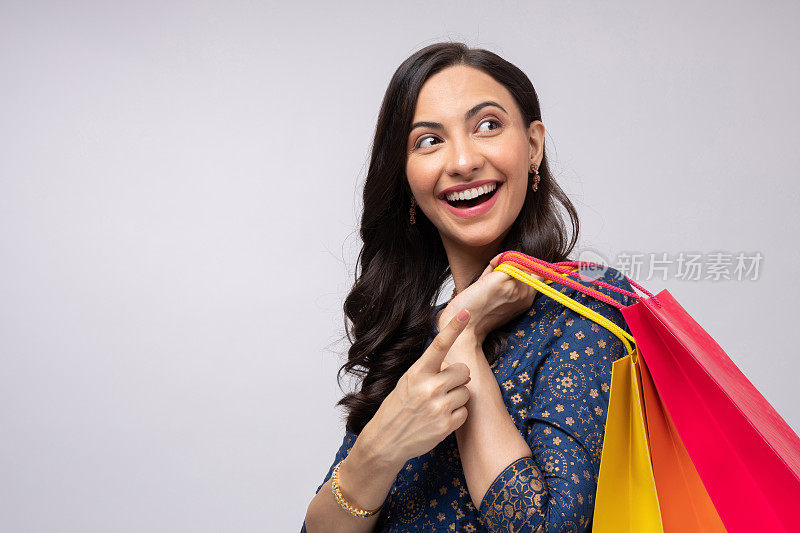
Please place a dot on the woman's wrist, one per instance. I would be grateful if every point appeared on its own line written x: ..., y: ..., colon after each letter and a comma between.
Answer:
x: 468, y: 349
x: 468, y: 345
x: 366, y: 475
x: 373, y: 454
x: 475, y: 335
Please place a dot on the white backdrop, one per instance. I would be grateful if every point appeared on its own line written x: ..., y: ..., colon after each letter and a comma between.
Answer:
x: 179, y: 200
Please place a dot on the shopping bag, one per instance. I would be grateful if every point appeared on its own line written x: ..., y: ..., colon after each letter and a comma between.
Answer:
x: 683, y: 500
x: 746, y: 455
x: 683, y: 503
x: 626, y: 498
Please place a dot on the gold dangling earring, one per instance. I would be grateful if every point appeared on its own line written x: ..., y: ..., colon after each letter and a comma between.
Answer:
x: 412, y: 213
x: 535, y: 172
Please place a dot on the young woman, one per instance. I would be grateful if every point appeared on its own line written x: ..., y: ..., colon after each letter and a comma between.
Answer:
x: 494, y: 423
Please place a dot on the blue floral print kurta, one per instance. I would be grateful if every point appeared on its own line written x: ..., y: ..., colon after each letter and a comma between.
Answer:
x: 555, y: 376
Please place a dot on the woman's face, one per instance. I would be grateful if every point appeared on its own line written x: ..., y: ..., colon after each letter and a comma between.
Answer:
x: 468, y: 132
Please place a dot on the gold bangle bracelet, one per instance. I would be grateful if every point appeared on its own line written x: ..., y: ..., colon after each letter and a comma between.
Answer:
x: 337, y: 493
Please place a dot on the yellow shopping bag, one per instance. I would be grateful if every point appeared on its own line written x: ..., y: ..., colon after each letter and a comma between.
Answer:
x: 626, y: 491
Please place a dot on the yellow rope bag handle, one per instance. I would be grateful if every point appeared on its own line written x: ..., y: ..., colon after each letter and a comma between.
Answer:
x: 560, y: 297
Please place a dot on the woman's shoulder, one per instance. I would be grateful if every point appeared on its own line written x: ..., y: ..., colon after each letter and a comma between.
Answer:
x: 550, y: 325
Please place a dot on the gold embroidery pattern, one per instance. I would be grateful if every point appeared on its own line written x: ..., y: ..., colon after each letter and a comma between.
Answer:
x: 519, y: 501
x: 567, y: 382
x: 409, y: 506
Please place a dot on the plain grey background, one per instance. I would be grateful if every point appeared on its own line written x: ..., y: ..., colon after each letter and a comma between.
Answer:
x: 179, y: 200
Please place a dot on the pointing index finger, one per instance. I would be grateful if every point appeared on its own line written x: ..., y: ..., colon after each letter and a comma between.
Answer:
x: 431, y: 360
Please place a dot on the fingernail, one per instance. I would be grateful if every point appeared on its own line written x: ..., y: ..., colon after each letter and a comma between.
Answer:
x: 463, y: 315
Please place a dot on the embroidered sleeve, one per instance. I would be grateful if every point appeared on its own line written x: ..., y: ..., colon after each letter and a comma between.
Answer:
x: 563, y: 397
x: 347, y: 444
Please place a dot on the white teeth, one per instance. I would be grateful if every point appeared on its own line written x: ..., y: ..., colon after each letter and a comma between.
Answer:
x: 469, y: 194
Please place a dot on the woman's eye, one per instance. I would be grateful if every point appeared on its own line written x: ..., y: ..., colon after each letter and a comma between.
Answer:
x: 496, y: 122
x: 422, y: 140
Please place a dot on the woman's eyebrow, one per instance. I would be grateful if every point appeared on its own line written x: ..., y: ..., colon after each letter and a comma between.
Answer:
x: 468, y: 115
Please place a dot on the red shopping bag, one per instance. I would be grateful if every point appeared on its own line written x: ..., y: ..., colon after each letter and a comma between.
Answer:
x: 746, y: 455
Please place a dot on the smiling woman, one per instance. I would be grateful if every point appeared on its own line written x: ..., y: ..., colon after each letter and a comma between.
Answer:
x: 493, y: 424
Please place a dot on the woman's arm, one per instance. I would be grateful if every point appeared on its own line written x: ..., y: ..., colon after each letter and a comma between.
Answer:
x: 488, y: 442
x: 562, y: 396
x: 365, y: 479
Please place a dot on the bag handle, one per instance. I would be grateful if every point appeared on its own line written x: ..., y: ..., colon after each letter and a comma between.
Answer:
x: 555, y: 277
x: 579, y: 308
x: 530, y: 263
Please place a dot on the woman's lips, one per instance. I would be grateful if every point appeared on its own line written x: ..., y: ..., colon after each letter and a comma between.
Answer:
x: 476, y: 210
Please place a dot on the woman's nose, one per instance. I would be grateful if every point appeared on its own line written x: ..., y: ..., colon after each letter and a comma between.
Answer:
x: 464, y: 158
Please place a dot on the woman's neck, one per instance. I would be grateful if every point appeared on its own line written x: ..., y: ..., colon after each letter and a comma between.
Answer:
x: 468, y: 261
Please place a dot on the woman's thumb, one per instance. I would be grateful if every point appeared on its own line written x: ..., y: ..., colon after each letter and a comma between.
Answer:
x: 495, y: 260
x: 486, y: 271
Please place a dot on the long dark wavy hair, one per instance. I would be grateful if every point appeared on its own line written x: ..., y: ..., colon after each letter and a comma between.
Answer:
x: 402, y: 268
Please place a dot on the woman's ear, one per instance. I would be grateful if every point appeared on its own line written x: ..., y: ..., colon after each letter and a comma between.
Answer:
x: 536, y: 140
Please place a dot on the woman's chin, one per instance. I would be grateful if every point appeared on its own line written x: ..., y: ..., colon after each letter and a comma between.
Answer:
x: 475, y: 239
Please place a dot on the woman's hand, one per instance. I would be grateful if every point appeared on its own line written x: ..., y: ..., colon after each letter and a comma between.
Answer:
x: 426, y: 405
x: 494, y: 299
